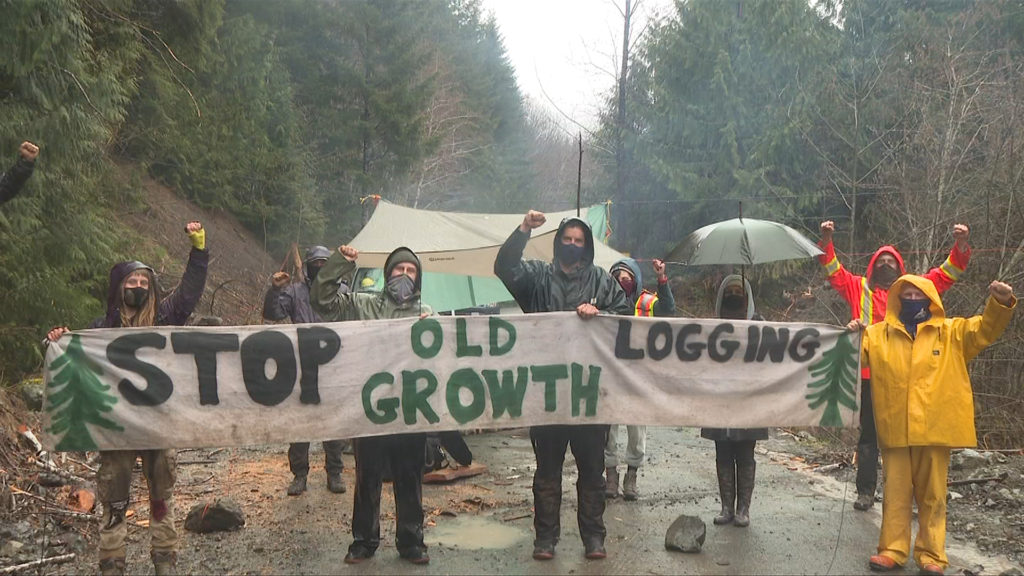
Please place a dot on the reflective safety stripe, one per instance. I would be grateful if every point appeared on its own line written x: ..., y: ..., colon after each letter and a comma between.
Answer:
x: 951, y: 270
x: 866, y: 302
x: 645, y: 304
x: 833, y: 266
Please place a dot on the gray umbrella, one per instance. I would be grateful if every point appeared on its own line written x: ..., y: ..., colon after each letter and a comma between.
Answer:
x: 743, y: 241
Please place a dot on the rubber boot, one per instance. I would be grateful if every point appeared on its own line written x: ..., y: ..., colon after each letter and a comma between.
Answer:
x: 629, y: 492
x: 727, y: 492
x: 547, y: 503
x: 590, y: 516
x: 112, y: 566
x: 298, y: 486
x: 164, y: 563
x: 744, y: 492
x: 611, y: 483
x: 336, y: 484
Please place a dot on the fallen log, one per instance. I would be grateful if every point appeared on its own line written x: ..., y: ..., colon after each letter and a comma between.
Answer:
x: 35, y: 563
x: 983, y: 480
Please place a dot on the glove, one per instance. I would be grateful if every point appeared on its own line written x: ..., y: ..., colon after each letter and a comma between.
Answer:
x: 198, y: 239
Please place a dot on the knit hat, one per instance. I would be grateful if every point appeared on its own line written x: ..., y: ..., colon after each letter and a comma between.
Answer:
x: 399, y: 256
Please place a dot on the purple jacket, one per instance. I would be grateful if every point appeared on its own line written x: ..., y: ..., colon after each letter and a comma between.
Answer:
x: 171, y: 311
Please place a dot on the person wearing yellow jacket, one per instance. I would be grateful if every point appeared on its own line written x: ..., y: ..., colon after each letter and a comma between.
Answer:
x: 924, y: 407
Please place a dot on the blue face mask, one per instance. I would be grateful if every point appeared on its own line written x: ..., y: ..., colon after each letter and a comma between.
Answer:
x: 569, y: 254
x: 913, y: 312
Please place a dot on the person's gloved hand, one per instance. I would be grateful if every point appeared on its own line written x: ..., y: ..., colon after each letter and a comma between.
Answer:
x: 196, y: 234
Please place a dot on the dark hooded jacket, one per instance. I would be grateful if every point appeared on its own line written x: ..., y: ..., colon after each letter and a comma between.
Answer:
x: 334, y: 305
x: 292, y: 301
x: 173, y: 310
x: 666, y: 303
x: 543, y: 286
x: 12, y: 181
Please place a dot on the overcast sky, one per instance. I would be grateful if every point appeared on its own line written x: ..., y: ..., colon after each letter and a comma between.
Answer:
x: 566, y: 52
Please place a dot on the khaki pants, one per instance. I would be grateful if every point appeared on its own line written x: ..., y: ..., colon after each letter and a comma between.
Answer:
x: 114, y: 482
x: 917, y: 473
x: 636, y: 446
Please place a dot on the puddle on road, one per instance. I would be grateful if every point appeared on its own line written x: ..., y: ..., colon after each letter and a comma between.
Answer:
x: 474, y: 533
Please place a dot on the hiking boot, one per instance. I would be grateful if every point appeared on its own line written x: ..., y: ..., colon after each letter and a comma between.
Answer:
x: 416, y: 555
x: 864, y: 502
x: 611, y: 483
x: 335, y: 483
x: 357, y: 555
x: 543, y: 551
x: 629, y: 492
x: 112, y: 566
x: 164, y: 562
x: 298, y: 486
x: 594, y: 548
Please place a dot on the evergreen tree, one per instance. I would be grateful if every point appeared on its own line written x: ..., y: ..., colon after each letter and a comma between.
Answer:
x: 77, y: 398
x: 836, y: 375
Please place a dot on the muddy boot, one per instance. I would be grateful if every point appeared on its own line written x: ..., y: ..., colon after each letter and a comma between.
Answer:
x: 164, y: 563
x: 298, y: 486
x: 335, y: 483
x: 547, y: 503
x: 611, y: 483
x: 727, y: 492
x: 629, y: 492
x: 864, y: 502
x: 744, y: 492
x: 112, y: 566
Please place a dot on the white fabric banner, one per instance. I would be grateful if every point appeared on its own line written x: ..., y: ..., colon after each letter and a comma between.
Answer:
x: 178, y: 387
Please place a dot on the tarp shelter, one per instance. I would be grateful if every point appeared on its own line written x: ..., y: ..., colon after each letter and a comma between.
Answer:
x: 457, y: 249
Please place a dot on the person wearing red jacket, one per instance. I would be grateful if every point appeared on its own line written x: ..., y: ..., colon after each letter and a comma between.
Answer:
x: 867, y: 296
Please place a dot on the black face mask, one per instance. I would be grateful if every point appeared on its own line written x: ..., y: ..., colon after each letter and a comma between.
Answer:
x: 569, y: 254
x: 401, y: 288
x: 885, y: 275
x: 311, y: 271
x: 136, y: 297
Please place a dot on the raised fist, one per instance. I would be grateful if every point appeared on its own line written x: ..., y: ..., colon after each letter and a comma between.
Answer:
x: 280, y: 279
x: 350, y: 253
x: 196, y: 234
x: 1002, y: 292
x: 28, y: 151
x: 533, y: 219
x: 827, y: 228
x: 659, y: 268
x: 961, y: 232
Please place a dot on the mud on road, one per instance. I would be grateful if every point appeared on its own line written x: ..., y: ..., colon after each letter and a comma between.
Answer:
x: 802, y: 522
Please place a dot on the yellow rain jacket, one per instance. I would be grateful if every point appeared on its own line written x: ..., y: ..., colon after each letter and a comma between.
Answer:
x: 920, y: 388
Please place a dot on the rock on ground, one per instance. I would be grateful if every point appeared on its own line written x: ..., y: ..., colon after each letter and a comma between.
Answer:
x: 686, y: 534
x: 220, y: 515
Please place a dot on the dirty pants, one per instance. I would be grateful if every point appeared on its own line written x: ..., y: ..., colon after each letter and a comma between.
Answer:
x: 867, y: 444
x: 114, y: 483
x: 636, y: 446
x: 405, y: 454
x: 587, y: 443
x: 917, y: 473
x: 298, y: 457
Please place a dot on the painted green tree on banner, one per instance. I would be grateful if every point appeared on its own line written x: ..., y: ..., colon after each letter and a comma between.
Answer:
x: 81, y: 399
x: 835, y: 380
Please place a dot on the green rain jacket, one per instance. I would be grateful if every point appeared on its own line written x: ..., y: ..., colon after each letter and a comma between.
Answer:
x: 334, y: 307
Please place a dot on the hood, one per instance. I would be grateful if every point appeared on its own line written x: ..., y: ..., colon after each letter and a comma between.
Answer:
x: 588, y: 237
x: 891, y: 250
x: 316, y: 253
x: 389, y: 264
x: 893, y: 305
x: 118, y: 274
x: 735, y: 279
x: 631, y: 266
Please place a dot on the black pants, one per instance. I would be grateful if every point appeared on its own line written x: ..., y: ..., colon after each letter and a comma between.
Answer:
x: 404, y: 453
x: 738, y: 453
x: 298, y: 457
x: 867, y: 444
x: 587, y: 445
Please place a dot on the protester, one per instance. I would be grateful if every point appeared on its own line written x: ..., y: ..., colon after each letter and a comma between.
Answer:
x: 570, y: 282
x: 627, y: 273
x: 291, y: 300
x: 734, y: 447
x: 867, y: 297
x: 133, y: 299
x: 403, y: 452
x: 924, y: 407
x: 12, y: 181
